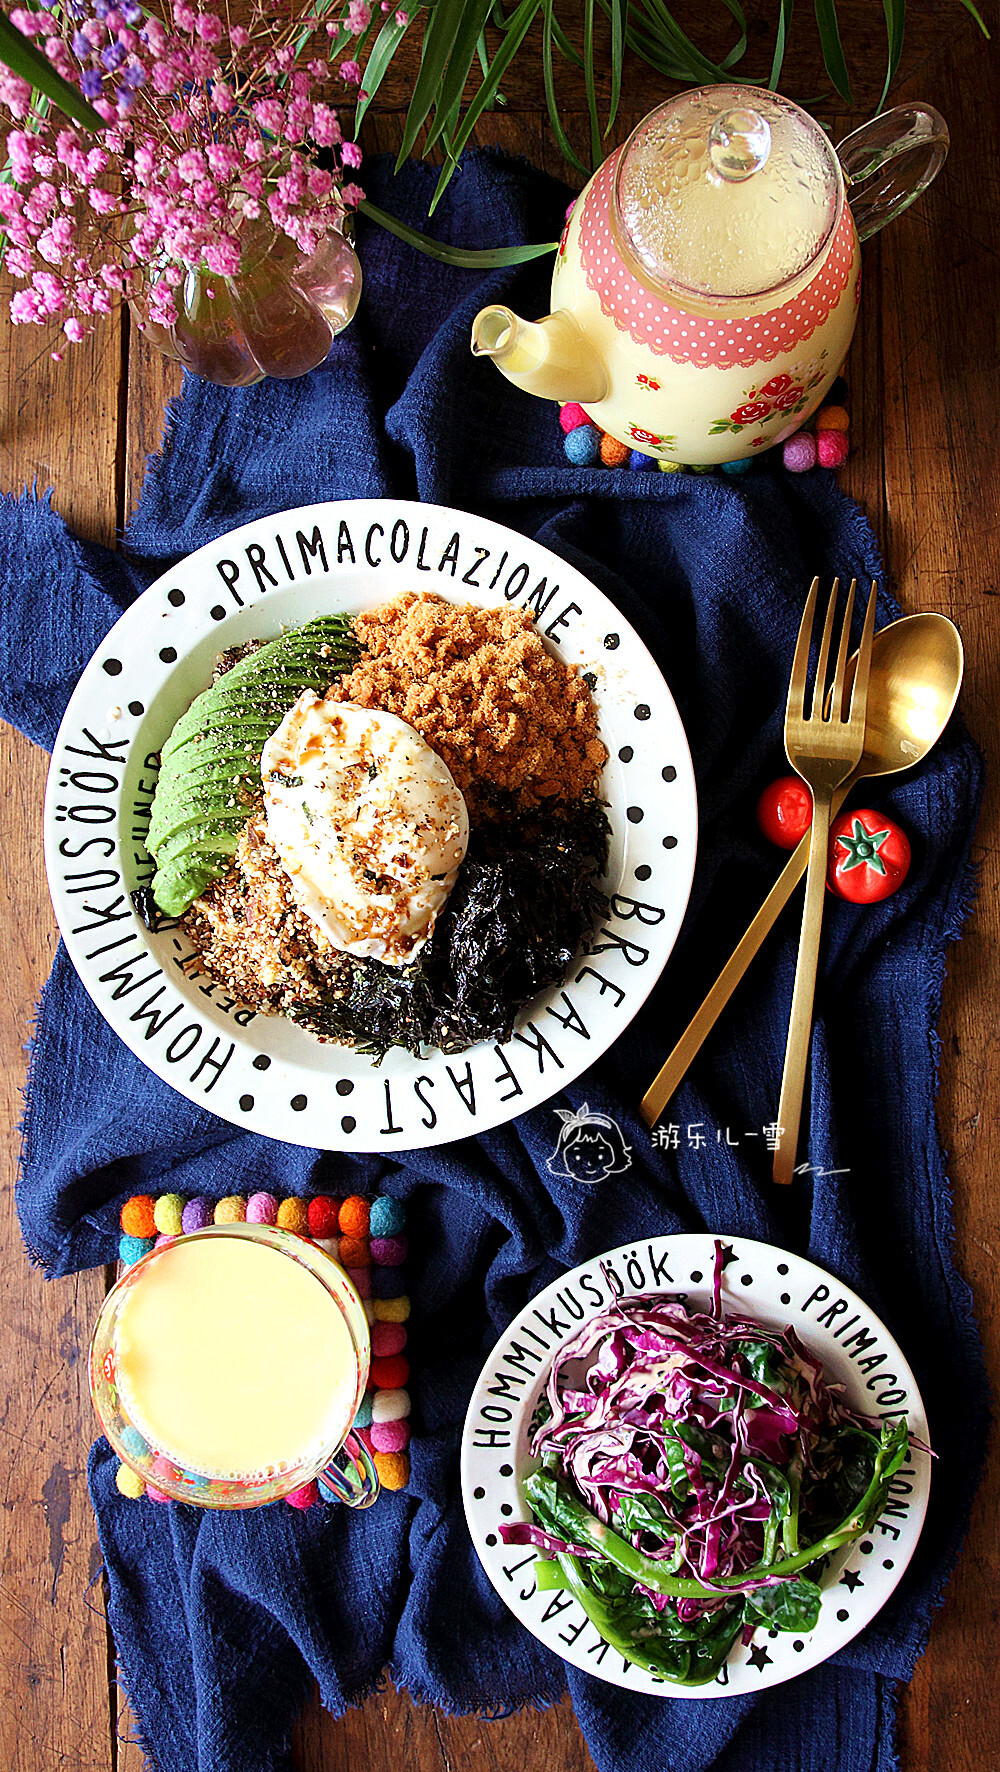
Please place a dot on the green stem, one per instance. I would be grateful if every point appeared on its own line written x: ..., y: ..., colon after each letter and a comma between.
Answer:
x: 20, y: 55
x: 466, y: 258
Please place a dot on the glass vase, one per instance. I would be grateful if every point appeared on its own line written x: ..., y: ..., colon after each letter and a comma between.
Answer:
x: 277, y: 316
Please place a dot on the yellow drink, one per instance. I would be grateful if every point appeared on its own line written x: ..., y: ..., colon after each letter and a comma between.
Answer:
x: 234, y: 1360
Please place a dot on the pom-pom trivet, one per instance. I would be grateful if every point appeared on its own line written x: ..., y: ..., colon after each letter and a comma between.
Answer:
x: 572, y: 415
x: 371, y: 1247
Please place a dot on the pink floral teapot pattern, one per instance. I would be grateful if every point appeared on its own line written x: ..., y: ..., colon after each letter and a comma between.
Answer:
x: 706, y: 284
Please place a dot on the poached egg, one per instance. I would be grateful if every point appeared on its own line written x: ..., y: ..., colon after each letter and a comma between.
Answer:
x: 368, y: 824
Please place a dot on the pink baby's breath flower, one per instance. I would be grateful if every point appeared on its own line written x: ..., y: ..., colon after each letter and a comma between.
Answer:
x: 223, y: 257
x: 402, y: 19
x: 75, y: 330
x: 30, y: 24
x: 351, y: 72
x: 102, y: 202
x: 351, y: 195
x: 25, y: 308
x: 191, y: 165
x: 209, y: 27
x: 239, y: 36
x: 320, y: 182
x: 223, y: 97
x: 358, y: 17
x: 350, y: 153
x: 270, y: 114
x: 325, y: 129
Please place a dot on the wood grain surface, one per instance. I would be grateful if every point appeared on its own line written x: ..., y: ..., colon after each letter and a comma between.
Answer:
x: 924, y: 376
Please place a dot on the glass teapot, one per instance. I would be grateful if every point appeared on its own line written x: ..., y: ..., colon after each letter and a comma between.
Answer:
x: 706, y: 284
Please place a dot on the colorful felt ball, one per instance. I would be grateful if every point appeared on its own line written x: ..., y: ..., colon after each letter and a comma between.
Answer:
x: 390, y: 1405
x: 231, y: 1210
x: 390, y: 1436
x: 262, y: 1209
x: 168, y: 1214
x: 323, y: 1216
x: 364, y: 1416
x: 389, y: 1375
x: 129, y: 1483
x: 393, y: 1468
x: 387, y: 1216
x: 134, y: 1443
x: 369, y: 1304
x: 613, y: 453
x: 388, y: 1339
x: 391, y: 1310
x: 354, y: 1252
x: 736, y: 468
x: 799, y: 453
x: 354, y: 1216
x: 155, y: 1494
x: 582, y: 446
x: 387, y: 1282
x: 833, y: 418
x: 293, y: 1215
x: 361, y: 1280
x: 669, y: 467
x: 306, y: 1495
x: 638, y: 460
x: 138, y: 1216
x: 572, y: 415
x: 389, y: 1251
x: 162, y: 1240
x: 832, y: 449
x: 132, y: 1249
x: 196, y: 1214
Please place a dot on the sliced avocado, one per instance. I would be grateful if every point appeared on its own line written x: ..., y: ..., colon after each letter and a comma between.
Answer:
x: 209, y: 779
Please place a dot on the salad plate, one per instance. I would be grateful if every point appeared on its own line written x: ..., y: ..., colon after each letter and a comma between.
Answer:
x: 759, y: 1284
x: 262, y: 1071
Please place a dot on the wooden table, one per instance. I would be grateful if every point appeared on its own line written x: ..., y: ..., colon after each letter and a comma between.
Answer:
x: 925, y: 389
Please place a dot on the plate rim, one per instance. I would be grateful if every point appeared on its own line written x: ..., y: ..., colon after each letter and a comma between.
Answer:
x: 470, y: 1475
x: 91, y: 688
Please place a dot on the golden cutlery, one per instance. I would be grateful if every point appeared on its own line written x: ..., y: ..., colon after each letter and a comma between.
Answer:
x: 916, y: 673
x: 824, y: 746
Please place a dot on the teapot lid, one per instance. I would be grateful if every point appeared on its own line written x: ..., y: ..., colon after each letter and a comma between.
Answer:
x: 726, y: 191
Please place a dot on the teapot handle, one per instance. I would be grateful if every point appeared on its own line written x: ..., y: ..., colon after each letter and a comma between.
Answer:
x: 894, y: 158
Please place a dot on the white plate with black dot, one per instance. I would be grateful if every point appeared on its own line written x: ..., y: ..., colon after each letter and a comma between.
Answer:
x: 263, y: 1072
x: 768, y: 1286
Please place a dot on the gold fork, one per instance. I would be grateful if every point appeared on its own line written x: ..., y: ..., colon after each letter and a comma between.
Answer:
x: 824, y: 747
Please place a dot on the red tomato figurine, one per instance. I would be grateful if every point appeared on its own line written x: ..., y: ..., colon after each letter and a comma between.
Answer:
x: 869, y: 857
x: 784, y: 811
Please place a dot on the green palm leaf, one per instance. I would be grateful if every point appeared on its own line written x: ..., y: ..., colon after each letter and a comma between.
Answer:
x: 833, y: 50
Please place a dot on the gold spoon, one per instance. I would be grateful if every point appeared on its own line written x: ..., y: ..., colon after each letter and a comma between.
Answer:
x: 916, y: 674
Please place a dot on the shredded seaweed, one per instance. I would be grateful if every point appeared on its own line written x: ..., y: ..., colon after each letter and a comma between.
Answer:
x: 526, y: 897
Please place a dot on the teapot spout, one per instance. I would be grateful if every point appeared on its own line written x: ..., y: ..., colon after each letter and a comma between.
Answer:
x: 551, y: 357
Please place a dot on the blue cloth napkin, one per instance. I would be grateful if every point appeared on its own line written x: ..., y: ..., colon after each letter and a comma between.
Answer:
x: 221, y: 1621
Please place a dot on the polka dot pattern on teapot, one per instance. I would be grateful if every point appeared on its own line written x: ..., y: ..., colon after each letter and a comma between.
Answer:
x: 694, y: 338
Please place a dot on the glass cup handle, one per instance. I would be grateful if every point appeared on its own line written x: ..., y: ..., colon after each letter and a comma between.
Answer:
x: 355, y: 1481
x: 894, y: 158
